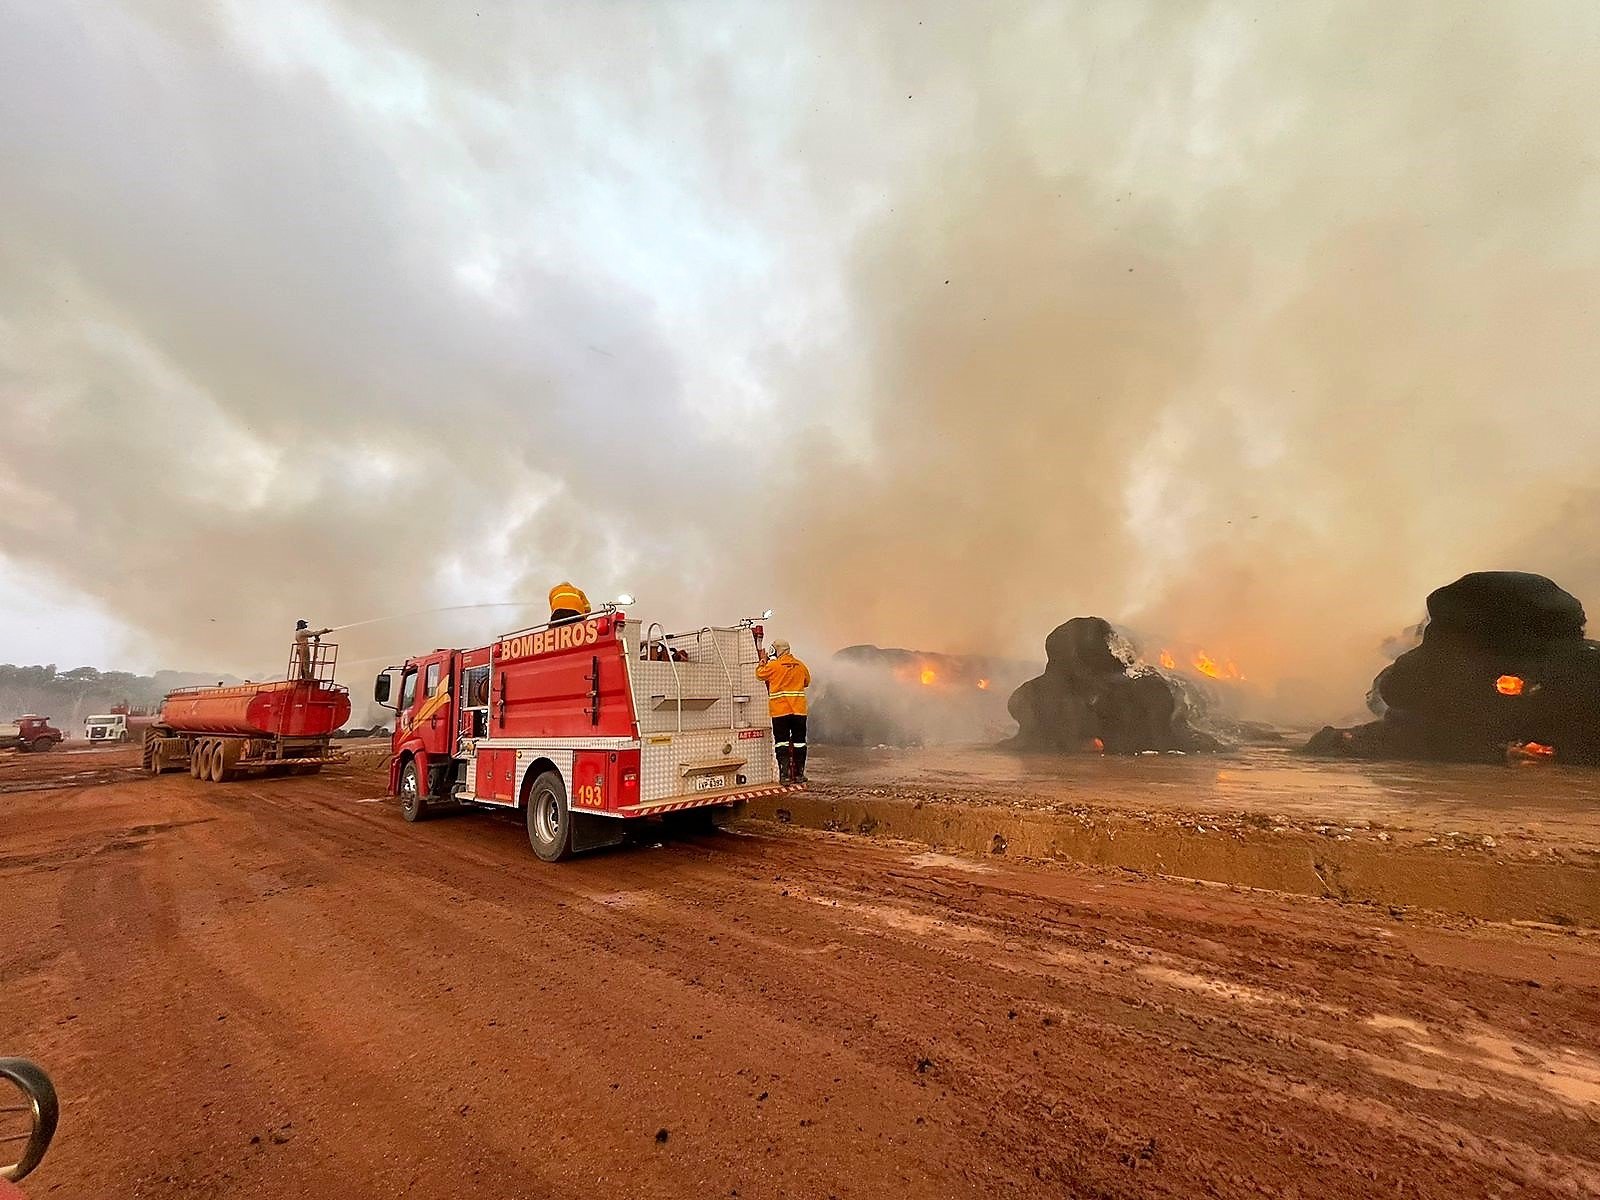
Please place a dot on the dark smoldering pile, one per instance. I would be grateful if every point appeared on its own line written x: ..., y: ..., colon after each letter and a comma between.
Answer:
x: 1095, y: 696
x: 1503, y: 667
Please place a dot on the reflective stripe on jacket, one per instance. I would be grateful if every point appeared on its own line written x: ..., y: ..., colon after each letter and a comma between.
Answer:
x: 786, y: 678
x: 565, y: 595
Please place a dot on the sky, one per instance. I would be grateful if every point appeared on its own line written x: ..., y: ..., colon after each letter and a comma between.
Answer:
x: 1244, y: 326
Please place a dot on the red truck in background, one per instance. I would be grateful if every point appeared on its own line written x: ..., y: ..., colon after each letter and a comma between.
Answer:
x: 584, y: 726
x: 29, y: 732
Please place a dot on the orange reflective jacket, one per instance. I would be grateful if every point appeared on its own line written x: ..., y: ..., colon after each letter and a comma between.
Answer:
x: 565, y: 595
x: 787, y: 679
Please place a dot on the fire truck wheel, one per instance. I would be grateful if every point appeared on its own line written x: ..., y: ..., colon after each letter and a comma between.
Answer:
x: 198, y: 752
x: 549, y: 818
x: 413, y: 804
x: 216, y: 763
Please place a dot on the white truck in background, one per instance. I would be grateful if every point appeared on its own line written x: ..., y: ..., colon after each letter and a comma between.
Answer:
x: 106, y: 727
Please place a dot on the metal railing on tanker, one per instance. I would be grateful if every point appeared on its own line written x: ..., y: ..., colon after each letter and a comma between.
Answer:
x: 312, y: 661
x: 315, y: 663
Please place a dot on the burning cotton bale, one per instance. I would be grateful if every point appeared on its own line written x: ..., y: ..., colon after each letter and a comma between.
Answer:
x: 1503, y: 668
x: 872, y: 695
x: 1096, y: 695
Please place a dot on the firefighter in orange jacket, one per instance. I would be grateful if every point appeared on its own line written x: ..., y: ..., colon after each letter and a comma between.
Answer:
x: 567, y: 603
x: 786, y: 678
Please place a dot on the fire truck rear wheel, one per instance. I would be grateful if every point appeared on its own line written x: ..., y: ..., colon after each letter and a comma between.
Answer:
x: 217, y: 762
x: 413, y: 804
x: 549, y: 818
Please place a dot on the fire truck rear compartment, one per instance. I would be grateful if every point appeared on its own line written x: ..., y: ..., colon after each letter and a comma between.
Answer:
x: 702, y: 715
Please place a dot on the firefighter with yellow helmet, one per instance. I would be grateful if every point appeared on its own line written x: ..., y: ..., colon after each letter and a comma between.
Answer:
x: 567, y: 603
x: 786, y: 678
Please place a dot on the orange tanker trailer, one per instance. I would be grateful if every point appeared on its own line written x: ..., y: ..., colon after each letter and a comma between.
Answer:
x: 285, y: 724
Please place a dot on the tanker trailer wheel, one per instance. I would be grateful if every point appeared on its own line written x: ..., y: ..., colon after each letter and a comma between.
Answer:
x: 215, y: 768
x: 224, y: 757
x: 199, y: 756
x: 413, y: 804
x: 549, y: 818
x: 152, y: 754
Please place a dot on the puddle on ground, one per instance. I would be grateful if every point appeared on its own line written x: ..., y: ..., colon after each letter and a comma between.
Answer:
x: 1565, y: 1073
x: 933, y: 858
x: 1208, y: 986
x: 1273, y: 783
x: 1403, y: 1024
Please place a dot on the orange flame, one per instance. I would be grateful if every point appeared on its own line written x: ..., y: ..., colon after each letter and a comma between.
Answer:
x: 1207, y: 665
x: 983, y: 685
x: 1168, y: 661
x: 1099, y: 745
x: 1531, y: 750
x: 929, y: 676
x: 1510, y: 685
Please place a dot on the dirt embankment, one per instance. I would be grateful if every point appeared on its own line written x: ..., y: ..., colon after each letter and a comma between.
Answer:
x: 278, y: 988
x: 1488, y: 842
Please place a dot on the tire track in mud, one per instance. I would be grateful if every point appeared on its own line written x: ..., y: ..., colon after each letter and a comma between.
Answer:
x: 243, y: 1083
x: 430, y: 1007
x: 1028, y: 1119
x: 500, y: 935
x: 1243, y: 1046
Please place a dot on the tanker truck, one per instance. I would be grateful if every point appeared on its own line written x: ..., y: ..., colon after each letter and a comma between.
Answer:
x: 217, y: 733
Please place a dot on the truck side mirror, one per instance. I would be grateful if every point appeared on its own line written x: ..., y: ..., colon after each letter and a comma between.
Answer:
x: 380, y: 689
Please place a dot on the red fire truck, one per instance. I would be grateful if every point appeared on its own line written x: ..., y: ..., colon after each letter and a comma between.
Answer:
x: 583, y: 726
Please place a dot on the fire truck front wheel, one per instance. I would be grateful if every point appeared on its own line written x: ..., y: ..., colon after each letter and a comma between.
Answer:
x: 549, y: 818
x: 413, y: 804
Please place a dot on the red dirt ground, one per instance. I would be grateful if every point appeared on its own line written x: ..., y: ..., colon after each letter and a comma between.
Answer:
x: 278, y: 988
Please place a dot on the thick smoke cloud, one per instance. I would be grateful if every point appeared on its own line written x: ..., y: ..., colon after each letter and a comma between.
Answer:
x: 1248, y: 332
x: 297, y: 324
x: 928, y: 326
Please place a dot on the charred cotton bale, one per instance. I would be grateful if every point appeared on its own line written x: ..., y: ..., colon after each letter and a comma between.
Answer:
x: 1503, y: 665
x: 1094, y: 696
x: 875, y: 695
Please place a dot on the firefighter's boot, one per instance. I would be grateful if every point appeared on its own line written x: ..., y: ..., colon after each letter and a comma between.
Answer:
x: 799, y: 773
x: 785, y: 768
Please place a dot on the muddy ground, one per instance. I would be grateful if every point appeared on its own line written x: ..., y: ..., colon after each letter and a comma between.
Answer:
x: 278, y: 988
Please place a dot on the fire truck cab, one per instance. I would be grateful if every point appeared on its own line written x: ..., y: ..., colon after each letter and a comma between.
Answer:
x: 582, y: 726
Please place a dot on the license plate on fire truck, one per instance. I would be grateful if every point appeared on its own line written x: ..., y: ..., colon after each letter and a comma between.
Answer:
x: 710, y: 783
